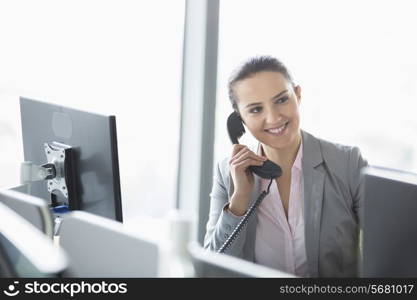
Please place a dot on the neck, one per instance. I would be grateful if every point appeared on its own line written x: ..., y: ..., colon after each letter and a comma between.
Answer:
x: 284, y: 157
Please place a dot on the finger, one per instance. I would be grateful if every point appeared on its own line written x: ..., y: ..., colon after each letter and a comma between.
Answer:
x: 243, y: 165
x: 251, y: 154
x: 247, y: 154
x: 236, y: 148
x: 240, y: 153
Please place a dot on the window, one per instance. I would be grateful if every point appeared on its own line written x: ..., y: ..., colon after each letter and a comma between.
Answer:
x: 113, y: 57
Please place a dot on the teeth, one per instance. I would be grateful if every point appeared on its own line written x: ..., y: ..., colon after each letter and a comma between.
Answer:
x: 277, y: 130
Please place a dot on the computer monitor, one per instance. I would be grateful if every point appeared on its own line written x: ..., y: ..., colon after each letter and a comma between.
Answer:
x: 31, y: 208
x: 25, y: 251
x: 390, y: 223
x: 209, y: 264
x: 99, y: 247
x: 85, y: 144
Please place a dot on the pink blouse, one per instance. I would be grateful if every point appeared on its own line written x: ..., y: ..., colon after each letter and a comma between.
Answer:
x: 280, y: 243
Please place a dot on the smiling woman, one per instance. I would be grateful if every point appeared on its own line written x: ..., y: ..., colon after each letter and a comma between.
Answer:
x: 308, y: 225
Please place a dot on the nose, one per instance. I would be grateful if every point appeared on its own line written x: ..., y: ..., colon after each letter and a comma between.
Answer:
x: 273, y: 116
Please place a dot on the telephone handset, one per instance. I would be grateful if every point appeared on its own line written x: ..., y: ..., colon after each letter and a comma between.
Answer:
x: 235, y: 128
x: 268, y: 170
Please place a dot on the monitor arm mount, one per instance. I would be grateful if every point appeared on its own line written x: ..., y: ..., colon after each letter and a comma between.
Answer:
x: 58, y: 171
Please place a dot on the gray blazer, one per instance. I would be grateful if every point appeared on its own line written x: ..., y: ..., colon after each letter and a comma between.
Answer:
x: 332, y: 201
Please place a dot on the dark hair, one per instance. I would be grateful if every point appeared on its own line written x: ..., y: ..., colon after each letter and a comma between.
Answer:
x: 253, y: 66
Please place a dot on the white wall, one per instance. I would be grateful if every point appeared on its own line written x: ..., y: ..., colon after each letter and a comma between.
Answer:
x: 113, y: 57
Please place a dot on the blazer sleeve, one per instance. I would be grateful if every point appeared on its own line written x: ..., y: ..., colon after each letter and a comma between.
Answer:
x: 355, y: 166
x: 221, y: 222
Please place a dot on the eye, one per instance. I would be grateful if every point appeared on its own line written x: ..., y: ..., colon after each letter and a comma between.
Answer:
x: 255, y: 110
x: 282, y: 100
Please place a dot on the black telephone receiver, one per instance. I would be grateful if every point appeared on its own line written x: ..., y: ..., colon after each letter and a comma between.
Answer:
x: 268, y: 170
x: 235, y: 128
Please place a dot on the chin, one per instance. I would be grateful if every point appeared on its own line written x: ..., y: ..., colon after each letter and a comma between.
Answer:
x: 279, y: 142
x: 280, y: 145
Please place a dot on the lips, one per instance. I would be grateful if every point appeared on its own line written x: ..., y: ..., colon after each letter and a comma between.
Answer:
x: 277, y: 130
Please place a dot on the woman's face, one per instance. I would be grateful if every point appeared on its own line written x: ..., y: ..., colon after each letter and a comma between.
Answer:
x: 268, y: 104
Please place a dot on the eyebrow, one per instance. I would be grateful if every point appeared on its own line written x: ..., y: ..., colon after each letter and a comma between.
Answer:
x: 276, y: 96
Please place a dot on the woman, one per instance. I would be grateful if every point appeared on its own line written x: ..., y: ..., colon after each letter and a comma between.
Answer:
x: 308, y: 224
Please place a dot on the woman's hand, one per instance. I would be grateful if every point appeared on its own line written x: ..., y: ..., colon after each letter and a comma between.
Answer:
x: 242, y: 178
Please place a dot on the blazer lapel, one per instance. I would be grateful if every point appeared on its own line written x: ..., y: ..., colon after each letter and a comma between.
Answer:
x: 313, y: 199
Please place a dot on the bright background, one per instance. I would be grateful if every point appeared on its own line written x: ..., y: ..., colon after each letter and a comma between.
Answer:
x: 355, y: 61
x: 112, y: 57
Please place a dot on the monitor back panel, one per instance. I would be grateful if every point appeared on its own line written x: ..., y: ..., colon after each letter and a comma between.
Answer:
x: 33, y: 209
x: 93, y: 137
x: 98, y: 247
x: 390, y: 228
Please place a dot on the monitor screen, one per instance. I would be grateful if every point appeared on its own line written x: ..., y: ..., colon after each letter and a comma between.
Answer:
x: 89, y: 144
x: 390, y: 223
